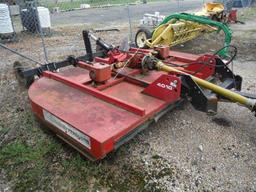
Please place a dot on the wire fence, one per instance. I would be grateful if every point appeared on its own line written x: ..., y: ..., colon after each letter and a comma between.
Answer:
x: 51, y: 29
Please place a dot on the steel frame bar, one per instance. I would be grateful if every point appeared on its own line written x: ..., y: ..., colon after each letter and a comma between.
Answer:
x: 94, y: 92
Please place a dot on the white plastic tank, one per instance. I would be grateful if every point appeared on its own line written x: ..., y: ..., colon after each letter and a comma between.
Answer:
x: 44, y: 17
x: 5, y: 20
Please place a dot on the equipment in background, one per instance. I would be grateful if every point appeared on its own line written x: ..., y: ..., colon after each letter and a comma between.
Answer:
x: 180, y: 28
x: 219, y: 12
x: 36, y: 19
x: 214, y: 11
x: 99, y: 101
x: 6, y: 27
x: 152, y: 20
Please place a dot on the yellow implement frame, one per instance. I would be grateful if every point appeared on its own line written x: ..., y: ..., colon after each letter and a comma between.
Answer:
x: 211, y: 9
x: 176, y: 32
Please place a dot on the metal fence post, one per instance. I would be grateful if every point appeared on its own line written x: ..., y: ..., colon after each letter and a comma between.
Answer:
x: 41, y: 32
x: 130, y: 23
x: 14, y: 36
x: 178, y: 3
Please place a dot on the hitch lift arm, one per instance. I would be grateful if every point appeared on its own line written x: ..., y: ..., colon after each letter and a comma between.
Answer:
x: 235, y: 97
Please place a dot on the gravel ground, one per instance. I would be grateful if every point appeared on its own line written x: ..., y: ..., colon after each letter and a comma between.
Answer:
x: 185, y: 151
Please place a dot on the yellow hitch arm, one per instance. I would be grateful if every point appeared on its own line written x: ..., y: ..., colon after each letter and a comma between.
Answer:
x: 232, y: 96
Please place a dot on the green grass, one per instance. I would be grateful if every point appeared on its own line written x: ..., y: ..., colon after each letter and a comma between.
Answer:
x: 28, y: 159
x: 36, y: 158
x: 18, y: 157
x: 68, y: 5
x: 76, y: 4
x: 3, y: 130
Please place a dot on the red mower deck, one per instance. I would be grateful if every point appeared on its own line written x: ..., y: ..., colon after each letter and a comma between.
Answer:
x: 96, y: 119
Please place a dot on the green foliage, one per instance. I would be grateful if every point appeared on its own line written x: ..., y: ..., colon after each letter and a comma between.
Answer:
x: 26, y: 162
x: 73, y: 4
x: 69, y: 5
x: 3, y: 129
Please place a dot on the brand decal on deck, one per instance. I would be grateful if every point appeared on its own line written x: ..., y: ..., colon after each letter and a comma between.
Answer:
x: 170, y: 87
x: 67, y: 129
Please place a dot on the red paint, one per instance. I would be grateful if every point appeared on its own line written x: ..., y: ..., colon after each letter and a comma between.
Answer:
x: 202, y: 66
x: 99, y: 72
x: 95, y: 93
x: 166, y: 87
x: 232, y: 16
x: 108, y: 111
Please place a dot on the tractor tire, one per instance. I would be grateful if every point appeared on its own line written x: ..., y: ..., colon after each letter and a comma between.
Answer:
x: 141, y: 36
